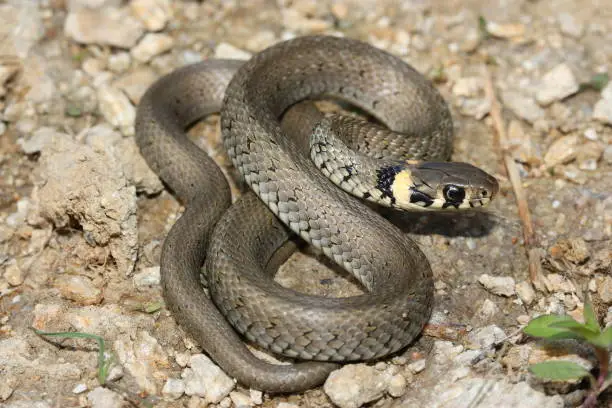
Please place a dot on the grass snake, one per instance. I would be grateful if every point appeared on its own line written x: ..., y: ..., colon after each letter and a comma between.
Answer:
x: 300, y: 184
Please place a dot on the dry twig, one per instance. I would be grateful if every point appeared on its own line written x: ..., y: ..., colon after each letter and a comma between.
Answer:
x: 533, y: 253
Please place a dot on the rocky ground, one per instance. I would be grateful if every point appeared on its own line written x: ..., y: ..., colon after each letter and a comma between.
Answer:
x: 82, y: 218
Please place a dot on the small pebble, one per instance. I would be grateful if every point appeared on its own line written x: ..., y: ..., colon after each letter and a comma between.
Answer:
x: 119, y: 62
x: 79, y: 289
x: 355, y: 385
x: 603, y: 108
x: 417, y: 366
x: 523, y: 319
x: 558, y: 283
x: 151, y: 45
x: 517, y: 356
x: 575, y: 250
x: 525, y: 292
x: 488, y: 310
x: 101, y: 397
x: 498, y: 285
x: 117, y: 109
x: 591, y: 134
x: 523, y: 106
x: 14, y: 274
x: 487, y: 336
x: 154, y: 14
x: 569, y: 25
x: 206, y: 380
x: 147, y: 277
x: 112, y: 26
x: 561, y: 151
x: 174, y: 388
x: 397, y: 386
x: 505, y: 30
x: 79, y: 388
x: 256, y: 397
x: 228, y: 51
x: 556, y: 85
x: 240, y: 399
x: 604, y: 289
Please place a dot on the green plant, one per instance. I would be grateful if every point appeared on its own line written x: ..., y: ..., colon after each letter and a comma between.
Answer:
x: 557, y: 327
x: 104, y: 362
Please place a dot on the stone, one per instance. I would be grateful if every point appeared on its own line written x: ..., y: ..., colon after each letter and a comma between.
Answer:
x: 136, y: 83
x: 228, y: 51
x: 487, y: 336
x: 241, y: 400
x: 355, y: 385
x: 417, y: 366
x: 604, y: 289
x: 500, y: 393
x: 570, y: 26
x: 557, y: 84
x: 397, y: 386
x: 79, y: 289
x: 498, y: 285
x: 522, y: 106
x: 147, y: 277
x: 117, y: 109
x: 13, y: 274
x: 205, y: 379
x: 561, y: 151
x: 154, y: 14
x: 505, y: 30
x: 174, y: 388
x: 525, y: 292
x: 144, y: 358
x: 119, y: 62
x: 109, y: 26
x: 151, y: 45
x: 101, y: 397
x: 602, y: 110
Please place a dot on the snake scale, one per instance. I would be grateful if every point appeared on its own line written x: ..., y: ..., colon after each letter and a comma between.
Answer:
x: 290, y: 178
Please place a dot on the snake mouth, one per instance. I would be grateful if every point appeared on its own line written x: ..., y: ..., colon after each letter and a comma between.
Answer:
x: 479, y: 202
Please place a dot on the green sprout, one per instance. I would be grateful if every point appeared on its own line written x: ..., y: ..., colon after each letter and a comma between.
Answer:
x: 597, y: 82
x: 482, y: 28
x: 557, y: 327
x: 104, y: 362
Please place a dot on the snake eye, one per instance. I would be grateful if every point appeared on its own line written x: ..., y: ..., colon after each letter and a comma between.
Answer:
x: 453, y: 193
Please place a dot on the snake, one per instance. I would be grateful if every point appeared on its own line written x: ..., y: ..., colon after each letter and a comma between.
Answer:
x: 317, y: 176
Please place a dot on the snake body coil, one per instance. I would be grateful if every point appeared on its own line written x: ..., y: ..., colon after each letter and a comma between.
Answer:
x: 280, y: 172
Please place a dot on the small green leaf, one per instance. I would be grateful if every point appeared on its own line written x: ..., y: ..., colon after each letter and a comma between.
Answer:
x: 559, y: 370
x: 604, y: 339
x: 599, y: 81
x: 73, y: 111
x: 482, y: 27
x: 153, y: 307
x: 578, y: 329
x: 590, y: 320
x: 542, y: 326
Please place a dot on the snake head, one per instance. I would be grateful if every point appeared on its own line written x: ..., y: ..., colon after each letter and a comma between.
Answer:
x: 443, y: 185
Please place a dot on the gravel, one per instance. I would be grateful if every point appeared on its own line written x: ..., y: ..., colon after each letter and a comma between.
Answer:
x: 82, y: 217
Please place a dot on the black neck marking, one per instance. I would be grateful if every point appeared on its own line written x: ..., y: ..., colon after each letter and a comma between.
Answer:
x: 386, y: 177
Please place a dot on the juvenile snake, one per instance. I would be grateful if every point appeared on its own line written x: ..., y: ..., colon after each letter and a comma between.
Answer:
x: 237, y: 245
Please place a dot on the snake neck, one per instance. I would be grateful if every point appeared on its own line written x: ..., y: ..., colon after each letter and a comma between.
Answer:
x: 359, y: 174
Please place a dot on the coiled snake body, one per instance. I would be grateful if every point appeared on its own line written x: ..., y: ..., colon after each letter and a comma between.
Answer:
x: 238, y: 244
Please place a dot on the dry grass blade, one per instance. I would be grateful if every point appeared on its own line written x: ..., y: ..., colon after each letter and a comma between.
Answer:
x: 514, y: 177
